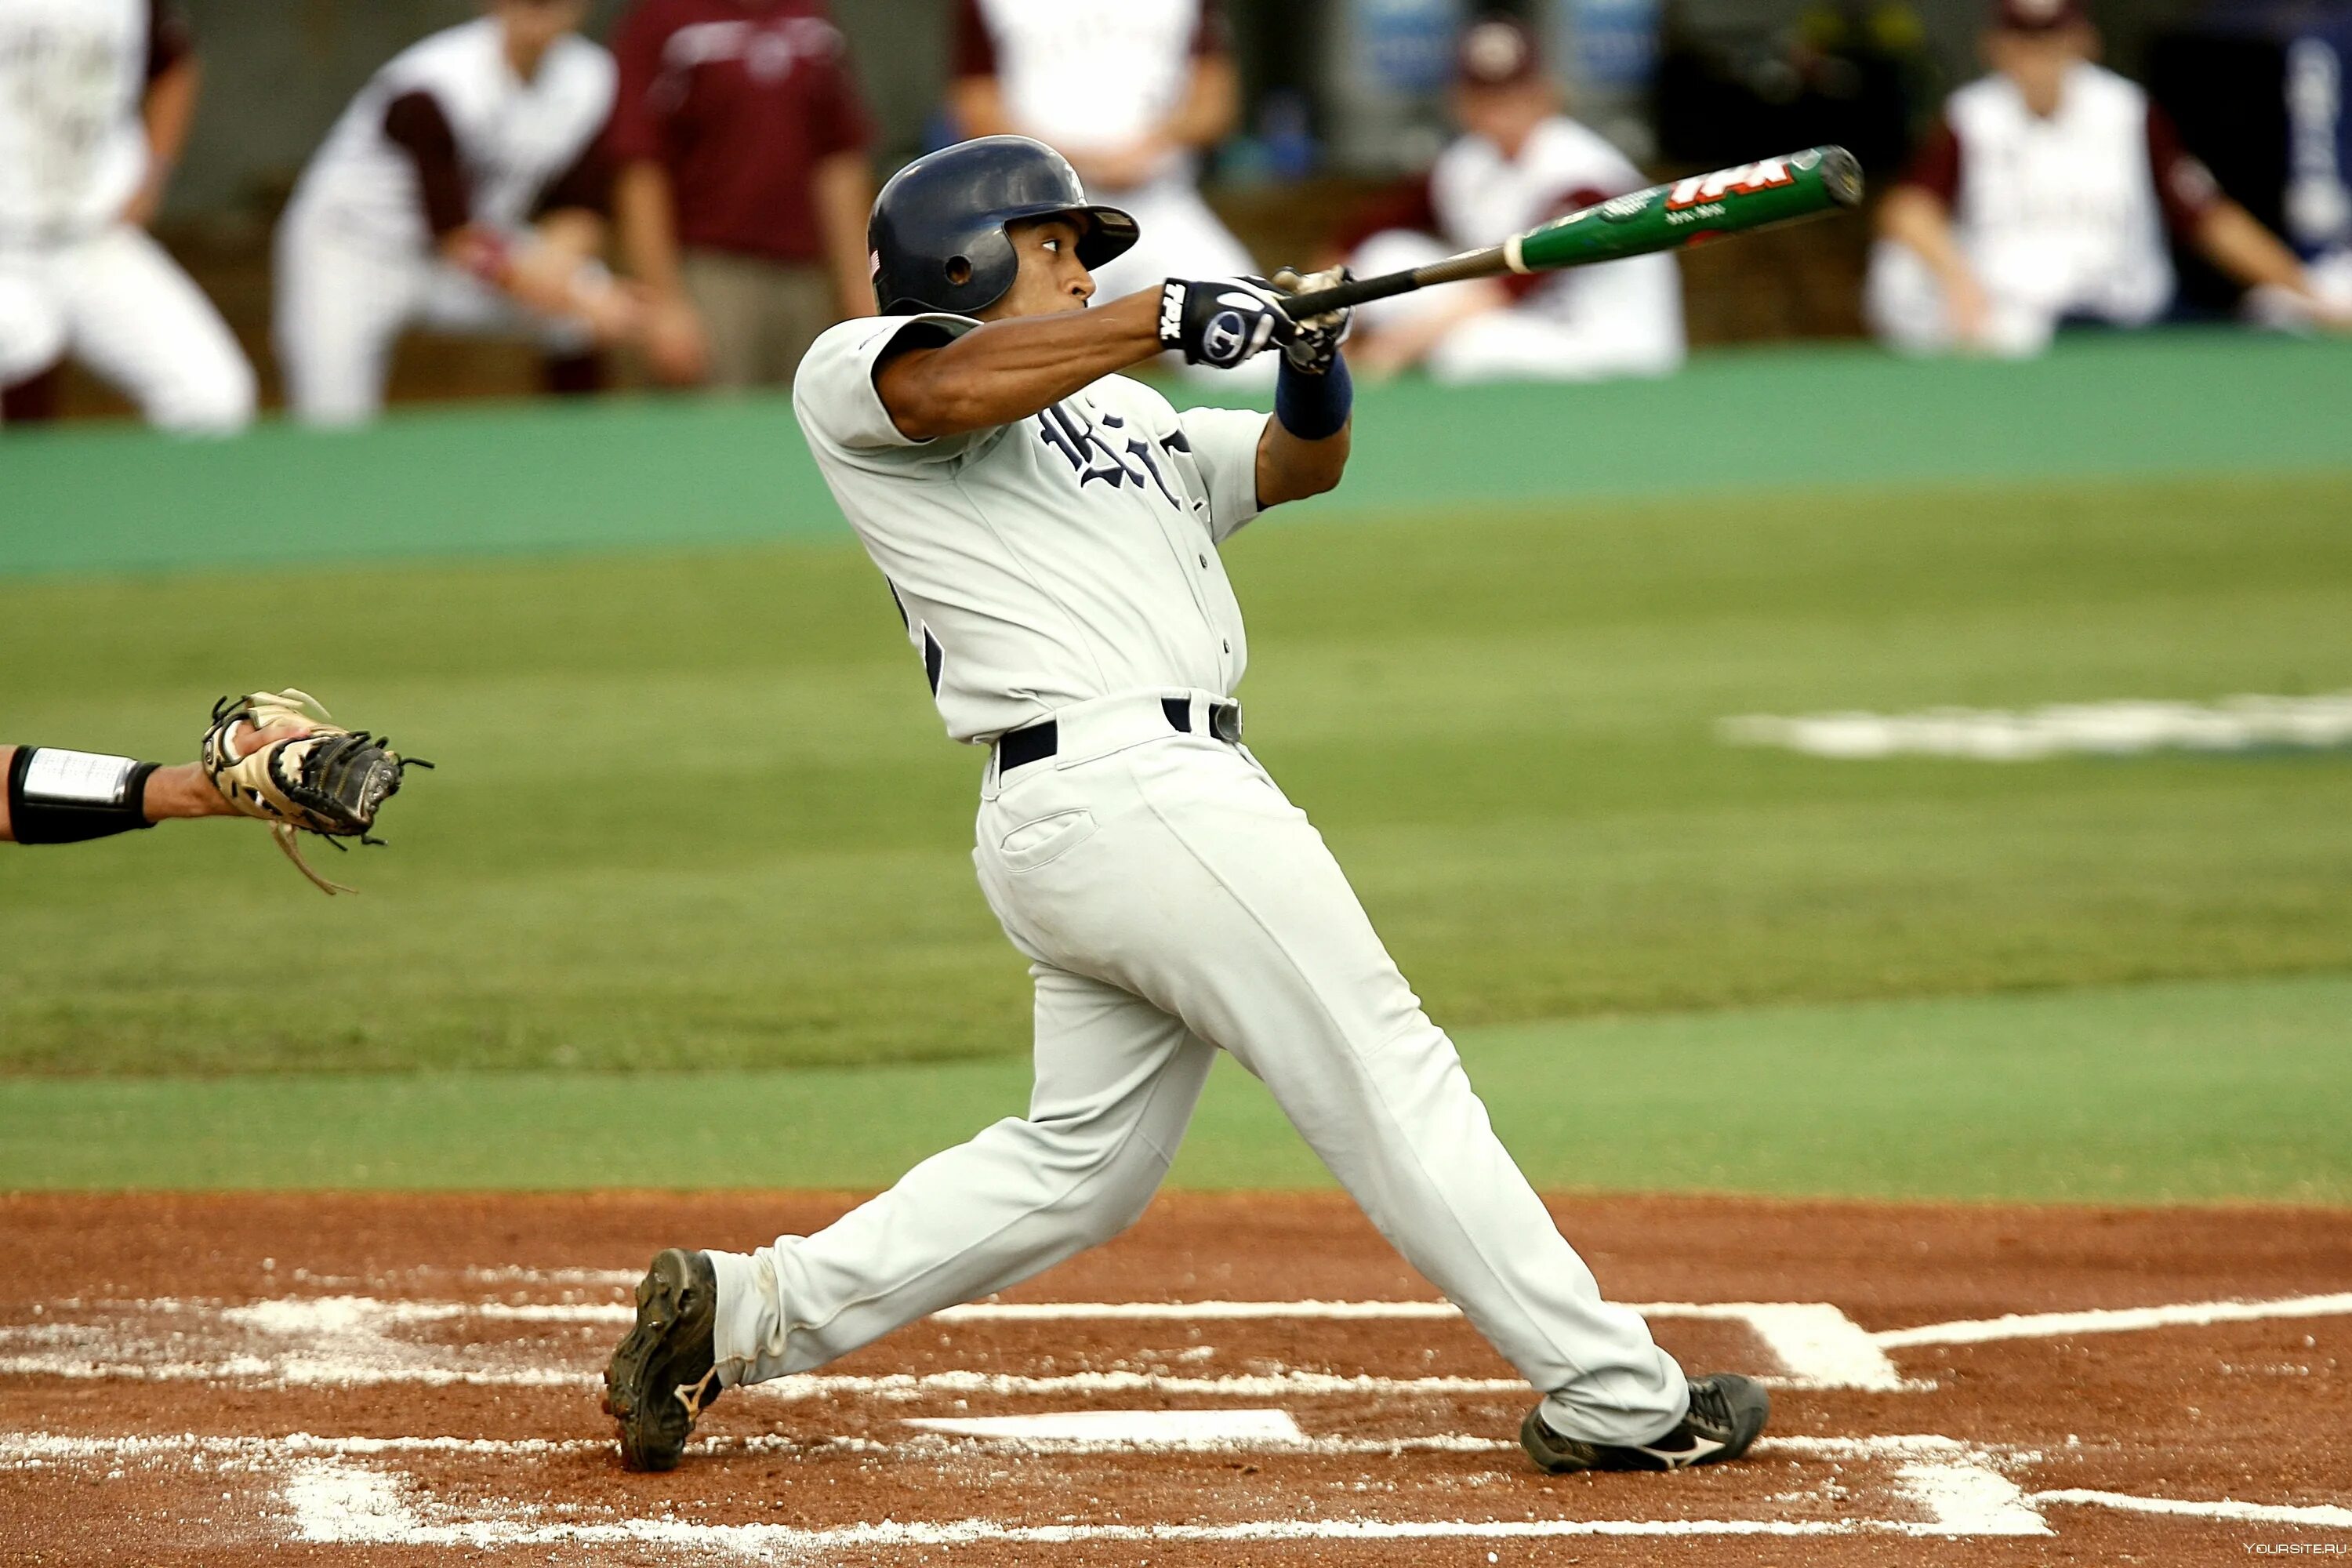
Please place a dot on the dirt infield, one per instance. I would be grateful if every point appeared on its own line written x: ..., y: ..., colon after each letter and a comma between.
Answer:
x: 1255, y: 1380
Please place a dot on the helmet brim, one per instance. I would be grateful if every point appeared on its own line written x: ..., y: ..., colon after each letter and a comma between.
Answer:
x: 1107, y: 233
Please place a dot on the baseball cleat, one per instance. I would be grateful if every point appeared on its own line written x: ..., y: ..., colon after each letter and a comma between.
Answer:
x: 1727, y: 1411
x: 662, y: 1376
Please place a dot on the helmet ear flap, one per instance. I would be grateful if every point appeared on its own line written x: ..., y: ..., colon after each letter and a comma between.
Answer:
x: 989, y: 268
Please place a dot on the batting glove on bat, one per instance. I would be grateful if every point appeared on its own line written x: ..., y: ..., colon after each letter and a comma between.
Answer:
x: 328, y: 780
x: 1221, y: 320
x: 1316, y: 342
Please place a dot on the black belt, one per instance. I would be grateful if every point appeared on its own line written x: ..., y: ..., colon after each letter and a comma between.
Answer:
x: 1019, y: 748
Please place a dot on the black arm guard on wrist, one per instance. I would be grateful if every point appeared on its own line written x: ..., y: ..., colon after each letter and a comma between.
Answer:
x: 64, y: 798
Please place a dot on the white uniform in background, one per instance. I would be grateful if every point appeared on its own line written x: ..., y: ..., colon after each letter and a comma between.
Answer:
x: 75, y: 279
x: 1623, y: 319
x: 1171, y: 901
x: 357, y: 262
x: 1101, y: 80
x: 2058, y: 217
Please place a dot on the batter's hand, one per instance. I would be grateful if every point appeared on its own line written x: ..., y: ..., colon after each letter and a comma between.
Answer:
x: 1316, y: 341
x: 1221, y: 320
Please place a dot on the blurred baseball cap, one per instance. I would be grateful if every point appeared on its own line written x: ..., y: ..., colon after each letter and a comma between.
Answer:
x: 1496, y: 51
x: 2038, y: 15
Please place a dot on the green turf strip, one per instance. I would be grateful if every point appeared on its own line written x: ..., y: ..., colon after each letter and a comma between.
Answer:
x: 696, y: 811
x: 655, y: 473
x: 2160, y: 1093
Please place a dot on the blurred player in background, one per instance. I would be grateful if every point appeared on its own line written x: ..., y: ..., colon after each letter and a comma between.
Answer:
x: 1518, y: 163
x: 743, y: 183
x: 1132, y: 92
x: 2043, y: 197
x: 463, y: 190
x: 96, y: 98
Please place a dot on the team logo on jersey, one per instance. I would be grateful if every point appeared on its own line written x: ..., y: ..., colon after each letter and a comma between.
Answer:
x: 1743, y: 181
x: 1109, y: 452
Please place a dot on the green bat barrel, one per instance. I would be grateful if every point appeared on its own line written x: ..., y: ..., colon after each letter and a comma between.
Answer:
x: 1664, y: 217
x: 1692, y: 211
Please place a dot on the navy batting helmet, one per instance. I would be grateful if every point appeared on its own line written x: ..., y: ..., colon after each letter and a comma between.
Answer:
x: 937, y: 230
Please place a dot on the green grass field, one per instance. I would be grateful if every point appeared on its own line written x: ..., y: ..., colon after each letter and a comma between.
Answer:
x: 697, y: 841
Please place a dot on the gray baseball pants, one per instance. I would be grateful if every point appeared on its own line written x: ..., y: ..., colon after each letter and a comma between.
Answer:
x: 1173, y: 902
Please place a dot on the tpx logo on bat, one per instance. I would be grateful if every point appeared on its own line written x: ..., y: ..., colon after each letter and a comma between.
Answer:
x: 1743, y: 181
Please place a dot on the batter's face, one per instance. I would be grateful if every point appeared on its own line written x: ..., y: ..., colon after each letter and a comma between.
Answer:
x: 2038, y: 62
x: 1052, y: 279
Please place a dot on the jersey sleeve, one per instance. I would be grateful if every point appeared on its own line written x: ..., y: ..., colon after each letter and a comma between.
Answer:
x: 585, y: 186
x: 2184, y: 185
x: 170, y: 38
x: 1224, y: 447
x: 975, y: 47
x: 840, y: 410
x: 413, y: 123
x: 1212, y: 35
x: 1936, y: 169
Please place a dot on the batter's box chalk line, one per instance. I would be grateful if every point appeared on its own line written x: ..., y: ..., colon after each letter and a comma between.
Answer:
x: 352, y: 1341
x: 1956, y: 1488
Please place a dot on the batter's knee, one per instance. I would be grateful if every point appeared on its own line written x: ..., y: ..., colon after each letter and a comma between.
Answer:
x: 1113, y: 1194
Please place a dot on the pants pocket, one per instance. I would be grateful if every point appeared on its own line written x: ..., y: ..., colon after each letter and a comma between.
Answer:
x: 1047, y: 838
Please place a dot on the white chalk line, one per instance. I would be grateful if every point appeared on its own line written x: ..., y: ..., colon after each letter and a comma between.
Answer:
x: 1953, y: 1482
x: 335, y: 1501
x: 55, y: 1448
x: 2113, y: 729
x: 2325, y: 1515
x: 1821, y: 1347
x: 2114, y: 1320
x: 346, y: 1341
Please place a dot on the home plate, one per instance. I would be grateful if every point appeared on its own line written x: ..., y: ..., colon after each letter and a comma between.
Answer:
x: 1138, y: 1428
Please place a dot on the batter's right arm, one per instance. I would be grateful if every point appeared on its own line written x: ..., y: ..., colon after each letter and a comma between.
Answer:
x: 1009, y: 369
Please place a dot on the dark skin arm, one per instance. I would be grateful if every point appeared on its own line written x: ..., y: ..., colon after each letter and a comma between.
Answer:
x: 1043, y: 345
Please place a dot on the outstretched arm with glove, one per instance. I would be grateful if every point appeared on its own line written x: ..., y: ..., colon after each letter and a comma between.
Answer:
x: 262, y: 756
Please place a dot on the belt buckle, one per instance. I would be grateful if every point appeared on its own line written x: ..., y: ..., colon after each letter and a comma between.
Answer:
x: 1225, y: 723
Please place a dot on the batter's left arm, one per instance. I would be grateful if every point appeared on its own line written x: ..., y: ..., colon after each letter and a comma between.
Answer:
x: 1291, y: 467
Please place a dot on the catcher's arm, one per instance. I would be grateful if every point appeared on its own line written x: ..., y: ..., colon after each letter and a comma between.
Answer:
x: 57, y: 796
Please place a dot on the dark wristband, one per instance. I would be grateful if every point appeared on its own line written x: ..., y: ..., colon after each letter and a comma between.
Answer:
x: 1314, y: 407
x: 75, y: 796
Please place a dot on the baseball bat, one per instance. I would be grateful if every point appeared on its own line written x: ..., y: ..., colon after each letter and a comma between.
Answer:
x: 1674, y: 217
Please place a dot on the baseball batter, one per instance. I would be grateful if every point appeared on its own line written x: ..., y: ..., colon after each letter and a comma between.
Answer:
x: 461, y: 190
x: 1050, y: 529
x: 96, y: 97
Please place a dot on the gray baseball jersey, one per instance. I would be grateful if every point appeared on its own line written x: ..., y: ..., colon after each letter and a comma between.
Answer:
x: 1067, y: 556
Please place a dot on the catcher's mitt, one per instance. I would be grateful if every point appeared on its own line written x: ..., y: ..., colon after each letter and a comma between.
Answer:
x: 331, y: 781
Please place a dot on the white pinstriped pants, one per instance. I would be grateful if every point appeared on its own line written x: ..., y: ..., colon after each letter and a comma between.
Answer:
x: 118, y: 303
x: 1173, y: 902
